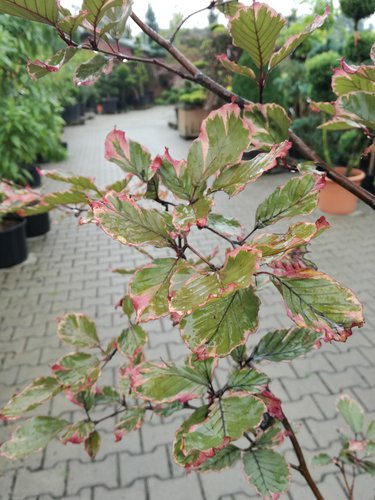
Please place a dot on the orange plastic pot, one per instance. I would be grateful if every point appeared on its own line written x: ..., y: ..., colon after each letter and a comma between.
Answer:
x: 334, y: 199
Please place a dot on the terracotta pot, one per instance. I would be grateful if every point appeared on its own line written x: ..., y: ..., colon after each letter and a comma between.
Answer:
x: 189, y: 121
x: 334, y: 199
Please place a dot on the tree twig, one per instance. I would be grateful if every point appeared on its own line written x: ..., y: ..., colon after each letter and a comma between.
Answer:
x: 183, y: 21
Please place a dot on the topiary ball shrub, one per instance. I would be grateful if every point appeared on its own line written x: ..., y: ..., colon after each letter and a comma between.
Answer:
x: 358, y: 50
x: 357, y: 9
x: 319, y: 74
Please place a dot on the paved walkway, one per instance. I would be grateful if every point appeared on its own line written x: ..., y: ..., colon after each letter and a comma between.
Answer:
x: 68, y: 270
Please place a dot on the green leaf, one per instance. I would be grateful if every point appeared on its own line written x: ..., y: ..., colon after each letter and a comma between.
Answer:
x: 77, y: 181
x: 185, y: 216
x: 129, y: 155
x: 98, y: 8
x: 344, y: 82
x: 222, y: 325
x: 326, y: 107
x: 78, y: 330
x: 130, y: 421
x: 295, y: 41
x: 299, y: 196
x: 371, y: 430
x: 227, y: 226
x: 121, y: 218
x: 42, y: 11
x: 367, y: 466
x: 229, y: 8
x: 269, y: 125
x: 321, y: 459
x: 194, y: 458
x: 37, y: 69
x: 38, y: 392
x: 351, y: 412
x: 248, y: 380
x: 315, y: 300
x: 255, y: 29
x: 273, y: 436
x: 92, y: 444
x: 228, y: 418
x: 149, y: 289
x: 267, y: 471
x: 285, y: 345
x: 236, y: 68
x: 223, y: 138
x: 118, y: 17
x: 370, y: 448
x: 175, y: 176
x: 223, y: 459
x: 90, y: 71
x: 78, y: 433
x: 234, y: 179
x: 126, y: 303
x: 31, y: 436
x: 106, y: 395
x: 77, y: 371
x: 132, y: 340
x: 168, y: 383
x: 360, y: 107
x: 199, y: 287
x: 69, y: 24
x: 168, y: 409
x: 339, y: 124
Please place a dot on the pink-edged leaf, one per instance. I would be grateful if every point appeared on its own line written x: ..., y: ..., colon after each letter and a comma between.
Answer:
x: 92, y: 444
x: 295, y: 41
x: 124, y: 220
x: 268, y: 471
x: 14, y: 199
x: 234, y: 179
x: 326, y: 107
x: 227, y: 226
x: 175, y: 175
x: 131, y: 420
x: 247, y: 380
x: 37, y: 69
x: 223, y: 138
x: 317, y: 301
x: 78, y: 433
x: 149, y: 289
x: 131, y: 156
x: 78, y: 330
x: 69, y: 24
x: 77, y: 371
x: 227, y: 420
x: 38, y: 392
x: 90, y: 71
x: 33, y: 435
x: 351, y: 412
x: 223, y: 459
x: 297, y: 197
x: 131, y: 341
x: 223, y: 324
x: 167, y: 383
x: 185, y: 216
x: 372, y: 53
x: 269, y: 124
x: 195, y: 288
x: 351, y: 79
x: 358, y: 107
x: 41, y: 11
x: 255, y: 29
x: 337, y: 124
x: 97, y: 9
x: 236, y: 68
x: 298, y: 235
x: 77, y: 181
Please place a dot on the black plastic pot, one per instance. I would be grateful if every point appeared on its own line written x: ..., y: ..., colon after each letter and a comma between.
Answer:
x: 13, y: 247
x: 34, y: 179
x: 110, y: 105
x: 36, y: 225
x: 71, y: 114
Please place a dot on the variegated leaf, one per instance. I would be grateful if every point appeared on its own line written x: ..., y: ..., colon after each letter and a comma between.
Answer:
x: 33, y: 435
x: 78, y: 432
x: 92, y: 444
x: 295, y: 41
x: 131, y: 420
x: 78, y: 330
x: 168, y: 383
x: 228, y: 418
x: 255, y: 29
x: 283, y: 345
x: 175, y: 175
x: 351, y: 412
x: 227, y: 226
x: 326, y: 107
x: 234, y: 179
x: 359, y: 107
x: 77, y: 371
x: 195, y: 458
x: 90, y: 71
x: 121, y: 218
x: 185, y: 216
x: 247, y: 380
x: 41, y: 11
x: 200, y: 287
x: 269, y: 124
x: 130, y: 155
x: 69, y: 24
x: 352, y: 79
x: 37, y: 69
x: 149, y: 289
x: 98, y: 8
x: 77, y: 181
x: 217, y: 328
x: 236, y: 68
x: 298, y: 196
x: 315, y: 300
x: 268, y: 471
x: 131, y: 341
x: 38, y: 392
x: 223, y: 459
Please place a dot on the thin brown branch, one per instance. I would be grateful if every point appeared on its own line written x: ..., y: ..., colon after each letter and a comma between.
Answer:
x: 183, y: 21
x: 192, y: 249
x: 221, y: 235
x: 302, y: 468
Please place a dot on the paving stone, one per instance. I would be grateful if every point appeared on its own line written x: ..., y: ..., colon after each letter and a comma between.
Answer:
x: 135, y: 492
x: 153, y: 464
x: 182, y: 488
x: 81, y: 474
x: 47, y: 481
x: 6, y: 480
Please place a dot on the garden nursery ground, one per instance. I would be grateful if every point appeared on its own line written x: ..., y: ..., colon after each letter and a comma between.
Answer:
x: 69, y: 269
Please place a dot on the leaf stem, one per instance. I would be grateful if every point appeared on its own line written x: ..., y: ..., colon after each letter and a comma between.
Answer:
x: 233, y: 243
x: 243, y: 241
x: 302, y: 468
x: 203, y: 259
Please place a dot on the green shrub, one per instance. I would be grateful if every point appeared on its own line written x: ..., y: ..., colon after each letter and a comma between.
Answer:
x: 360, y: 52
x: 357, y: 9
x: 319, y: 74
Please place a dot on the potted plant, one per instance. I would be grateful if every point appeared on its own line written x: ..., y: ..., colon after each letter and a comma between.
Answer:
x: 191, y: 111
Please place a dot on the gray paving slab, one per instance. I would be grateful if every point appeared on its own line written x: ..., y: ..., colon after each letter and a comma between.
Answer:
x: 68, y: 270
